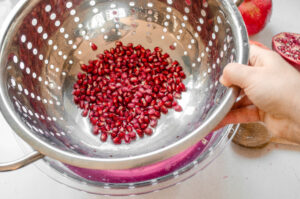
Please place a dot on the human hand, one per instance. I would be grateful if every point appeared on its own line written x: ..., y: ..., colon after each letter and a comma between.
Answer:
x: 271, y: 93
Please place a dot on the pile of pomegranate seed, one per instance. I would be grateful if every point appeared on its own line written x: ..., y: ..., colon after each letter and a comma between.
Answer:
x: 126, y: 89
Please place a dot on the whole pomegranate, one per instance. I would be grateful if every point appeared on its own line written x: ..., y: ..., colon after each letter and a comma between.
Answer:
x: 256, y: 14
x: 288, y: 46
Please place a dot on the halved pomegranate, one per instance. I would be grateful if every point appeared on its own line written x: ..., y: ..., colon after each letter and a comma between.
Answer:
x: 288, y: 46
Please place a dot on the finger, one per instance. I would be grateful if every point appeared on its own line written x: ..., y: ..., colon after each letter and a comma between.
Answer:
x: 236, y: 74
x: 244, y: 101
x: 243, y: 115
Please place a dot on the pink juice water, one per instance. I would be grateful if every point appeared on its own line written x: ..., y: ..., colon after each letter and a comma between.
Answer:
x: 144, y: 173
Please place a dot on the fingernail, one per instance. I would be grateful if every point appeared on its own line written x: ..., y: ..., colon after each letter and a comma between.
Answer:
x: 221, y: 80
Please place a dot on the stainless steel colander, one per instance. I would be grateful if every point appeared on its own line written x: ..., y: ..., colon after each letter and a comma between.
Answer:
x: 43, y: 43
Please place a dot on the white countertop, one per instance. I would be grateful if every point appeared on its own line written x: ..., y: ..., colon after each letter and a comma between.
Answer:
x: 271, y: 172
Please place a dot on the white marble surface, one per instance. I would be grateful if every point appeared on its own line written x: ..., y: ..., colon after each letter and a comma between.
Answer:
x: 272, y: 172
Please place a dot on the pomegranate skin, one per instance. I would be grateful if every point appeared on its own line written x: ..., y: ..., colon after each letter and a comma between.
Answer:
x: 258, y: 44
x: 256, y: 14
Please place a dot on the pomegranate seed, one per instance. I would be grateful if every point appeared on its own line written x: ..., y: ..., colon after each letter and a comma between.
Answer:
x: 117, y: 140
x: 85, y: 113
x: 151, y: 112
x: 144, y: 125
x: 103, y: 137
x: 178, y: 108
x: 129, y: 129
x: 148, y: 131
x: 113, y: 135
x: 172, y: 47
x: 177, y: 96
x: 165, y: 99
x: 132, y: 135
x: 140, y: 133
x: 157, y: 49
x: 170, y: 96
x: 121, y: 135
x: 94, y: 46
x: 96, y: 130
x: 119, y: 43
x: 148, y: 99
x: 168, y: 104
x: 127, y: 138
x: 153, y: 123
x: 174, y: 103
x: 164, y: 109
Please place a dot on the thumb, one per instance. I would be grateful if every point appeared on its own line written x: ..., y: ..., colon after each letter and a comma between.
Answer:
x: 236, y: 75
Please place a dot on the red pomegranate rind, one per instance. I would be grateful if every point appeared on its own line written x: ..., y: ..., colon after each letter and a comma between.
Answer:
x: 256, y: 14
x: 258, y: 44
x: 288, y: 46
x: 125, y: 91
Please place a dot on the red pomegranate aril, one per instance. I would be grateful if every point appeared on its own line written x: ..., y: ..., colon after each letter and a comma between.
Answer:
x: 182, y: 74
x: 96, y: 130
x: 160, y: 103
x: 94, y: 121
x: 115, y: 130
x: 165, y: 56
x: 177, y: 96
x: 119, y: 43
x: 170, y: 97
x: 153, y: 123
x: 129, y: 128
x: 121, y: 135
x: 157, y: 49
x: 83, y: 67
x: 148, y: 131
x: 94, y: 46
x: 164, y: 109
x: 143, y: 102
x: 178, y: 108
x: 168, y: 104
x: 165, y: 99
x: 132, y: 135
x: 139, y: 132
x: 85, y: 113
x: 144, y: 125
x: 127, y: 139
x: 156, y: 107
x: 146, y: 119
x: 136, y: 125
x: 174, y: 103
x: 103, y: 137
x: 151, y: 112
x: 117, y: 140
x: 182, y: 86
x: 153, y: 102
x: 148, y: 99
x: 153, y: 117
x: 157, y: 114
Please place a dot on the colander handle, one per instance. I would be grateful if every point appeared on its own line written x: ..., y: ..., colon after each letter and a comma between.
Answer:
x: 238, y: 2
x: 24, y: 161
